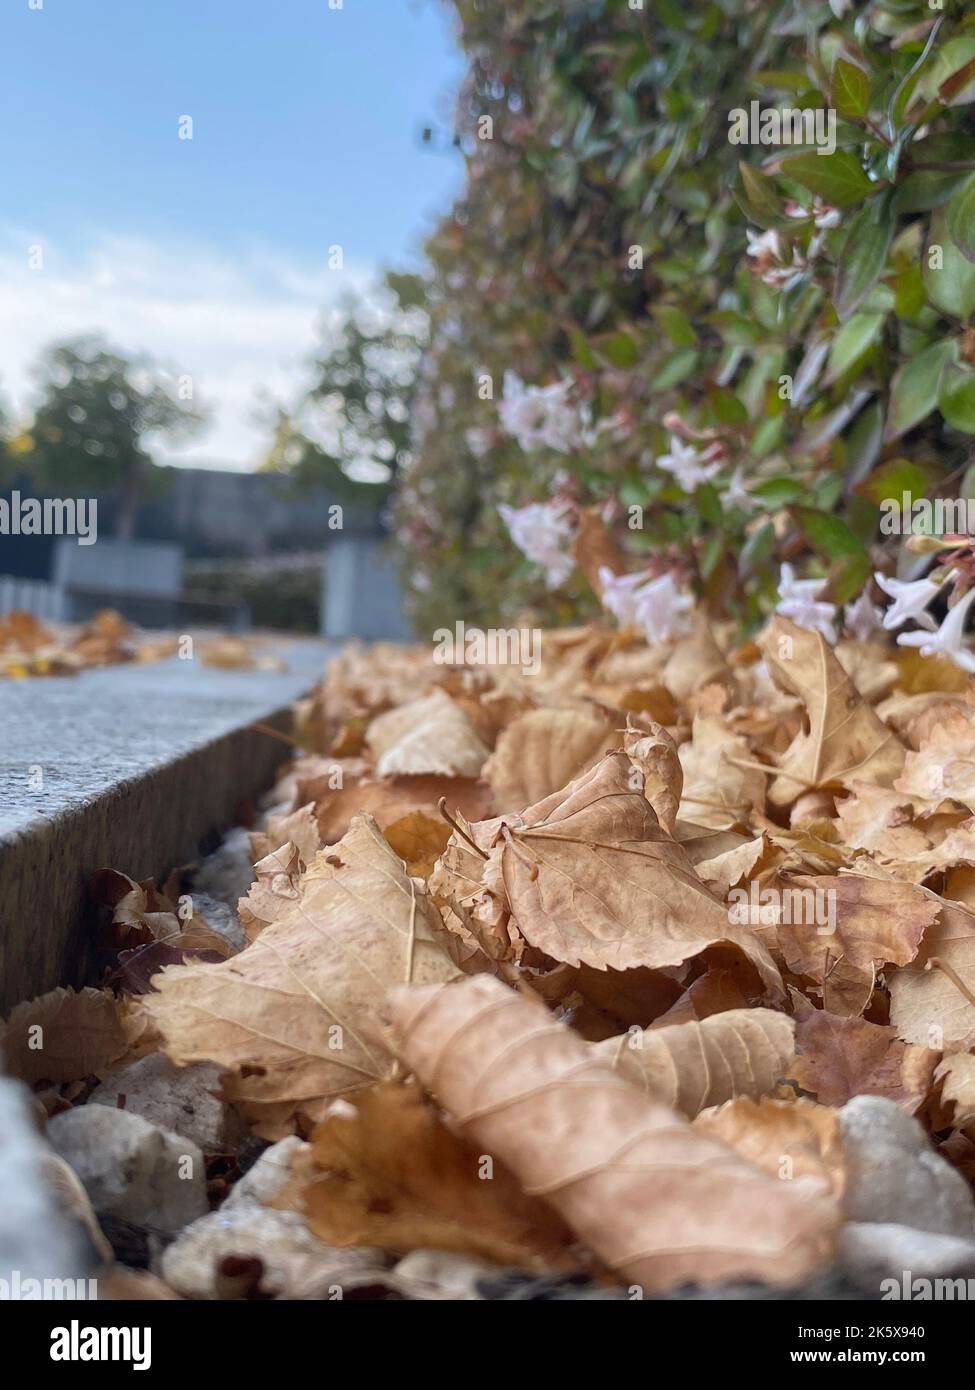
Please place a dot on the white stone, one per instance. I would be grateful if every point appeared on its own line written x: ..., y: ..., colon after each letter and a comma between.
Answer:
x: 894, y: 1175
x: 269, y: 1174
x: 131, y: 1169
x: 872, y: 1251
x: 294, y: 1263
x: 36, y: 1240
x: 180, y: 1099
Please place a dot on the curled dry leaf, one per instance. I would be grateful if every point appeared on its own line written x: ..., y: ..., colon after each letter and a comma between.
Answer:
x: 291, y: 1014
x: 64, y: 1035
x: 276, y: 887
x: 660, y: 1203
x: 300, y: 827
x: 419, y: 840
x: 655, y: 754
x: 591, y: 877
x: 690, y: 1066
x: 787, y: 1138
x: 943, y: 768
x: 541, y: 751
x: 430, y: 735
x: 384, y: 1170
x: 845, y: 740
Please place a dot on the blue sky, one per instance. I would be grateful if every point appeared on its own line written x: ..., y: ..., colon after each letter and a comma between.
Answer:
x: 211, y: 252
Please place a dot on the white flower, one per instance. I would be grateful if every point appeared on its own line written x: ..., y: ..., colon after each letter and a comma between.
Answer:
x: 911, y: 598
x: 840, y: 7
x: 478, y: 441
x: 947, y: 639
x: 737, y: 495
x: 823, y: 215
x: 686, y: 465
x: 655, y: 605
x: 861, y: 619
x: 543, y: 532
x: 764, y: 246
x: 539, y: 416
x: 617, y: 594
x: 798, y: 601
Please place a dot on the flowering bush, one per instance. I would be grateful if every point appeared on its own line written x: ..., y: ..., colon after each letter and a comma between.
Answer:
x: 729, y: 353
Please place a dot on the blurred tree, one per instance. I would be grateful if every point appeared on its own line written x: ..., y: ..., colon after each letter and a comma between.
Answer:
x: 98, y: 412
x: 350, y: 431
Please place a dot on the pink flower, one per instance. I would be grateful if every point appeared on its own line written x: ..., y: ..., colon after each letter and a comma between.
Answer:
x: 543, y: 531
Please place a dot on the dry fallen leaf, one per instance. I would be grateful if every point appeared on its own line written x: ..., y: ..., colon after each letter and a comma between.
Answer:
x: 787, y: 1138
x: 845, y: 1057
x: 291, y: 1014
x: 64, y: 1036
x: 591, y: 877
x: 432, y: 735
x: 541, y: 751
x: 845, y: 741
x: 660, y: 1203
x: 689, y: 1066
x: 384, y: 1170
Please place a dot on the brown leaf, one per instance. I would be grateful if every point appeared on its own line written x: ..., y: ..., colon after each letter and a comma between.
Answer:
x: 300, y: 827
x: 590, y: 876
x: 541, y: 751
x: 419, y: 840
x: 432, y: 735
x: 845, y: 741
x: 845, y: 1057
x: 787, y: 1139
x: 292, y: 1012
x: 714, y: 779
x: 943, y: 768
x: 957, y: 1076
x: 660, y: 1203
x: 930, y: 999
x: 655, y: 754
x: 385, y: 1171
x: 276, y: 888
x: 868, y: 922
x: 64, y: 1035
x: 691, y: 1066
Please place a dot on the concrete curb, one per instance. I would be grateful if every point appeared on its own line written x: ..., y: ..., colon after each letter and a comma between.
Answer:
x: 128, y: 767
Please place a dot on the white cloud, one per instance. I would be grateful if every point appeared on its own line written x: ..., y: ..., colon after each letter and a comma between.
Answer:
x: 239, y: 326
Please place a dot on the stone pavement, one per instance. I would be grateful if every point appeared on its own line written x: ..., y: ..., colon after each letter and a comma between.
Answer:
x: 128, y: 766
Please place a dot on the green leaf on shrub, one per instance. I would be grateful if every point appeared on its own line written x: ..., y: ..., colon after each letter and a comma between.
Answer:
x: 956, y: 400
x: 893, y: 478
x: 960, y: 215
x: 677, y: 368
x: 827, y: 534
x: 951, y: 287
x: 850, y: 89
x: 838, y: 178
x: 851, y: 342
x: 676, y: 325
x: 864, y: 255
x: 848, y: 576
x: 779, y: 492
x: 757, y: 550
x: 761, y: 196
x: 620, y: 350
x: 914, y: 389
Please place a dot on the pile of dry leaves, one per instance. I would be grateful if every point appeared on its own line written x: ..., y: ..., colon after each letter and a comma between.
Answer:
x: 29, y: 647
x: 592, y: 956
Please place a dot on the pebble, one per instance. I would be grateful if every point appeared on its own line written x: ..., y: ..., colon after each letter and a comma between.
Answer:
x: 894, y: 1175
x: 131, y: 1169
x: 870, y: 1252
x: 269, y: 1174
x: 180, y: 1099
x: 250, y: 1250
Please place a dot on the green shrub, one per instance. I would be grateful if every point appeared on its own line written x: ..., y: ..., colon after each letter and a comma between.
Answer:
x: 681, y: 287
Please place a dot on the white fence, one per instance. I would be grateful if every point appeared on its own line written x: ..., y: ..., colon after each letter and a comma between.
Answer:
x: 34, y: 596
